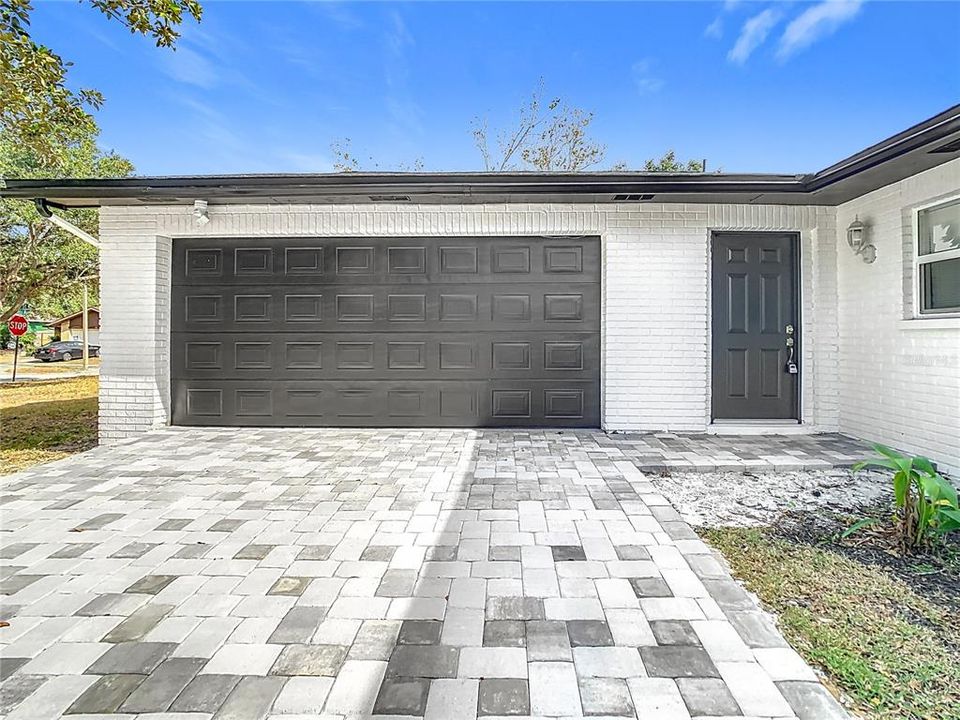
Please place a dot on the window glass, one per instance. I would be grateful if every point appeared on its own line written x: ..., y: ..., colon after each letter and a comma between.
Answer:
x: 940, y: 228
x: 940, y: 285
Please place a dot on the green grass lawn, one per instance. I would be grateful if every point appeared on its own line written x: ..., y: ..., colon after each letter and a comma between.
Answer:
x: 44, y: 421
x: 893, y: 652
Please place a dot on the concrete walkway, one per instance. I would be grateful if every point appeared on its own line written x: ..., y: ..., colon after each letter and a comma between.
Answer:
x: 355, y: 573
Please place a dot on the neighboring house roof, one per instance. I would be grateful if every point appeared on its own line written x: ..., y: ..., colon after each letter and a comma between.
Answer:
x: 921, y: 147
x: 78, y: 313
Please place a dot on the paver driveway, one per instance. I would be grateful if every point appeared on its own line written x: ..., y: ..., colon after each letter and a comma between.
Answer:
x: 442, y: 573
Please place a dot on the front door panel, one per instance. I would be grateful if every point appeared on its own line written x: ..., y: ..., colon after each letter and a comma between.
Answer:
x: 755, y: 319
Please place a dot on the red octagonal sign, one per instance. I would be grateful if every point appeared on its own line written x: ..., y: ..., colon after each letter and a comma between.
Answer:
x: 18, y: 325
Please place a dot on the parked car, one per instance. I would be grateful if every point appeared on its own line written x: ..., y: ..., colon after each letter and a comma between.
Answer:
x: 64, y: 350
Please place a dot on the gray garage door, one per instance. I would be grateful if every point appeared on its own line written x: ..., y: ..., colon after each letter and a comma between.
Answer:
x: 459, y: 332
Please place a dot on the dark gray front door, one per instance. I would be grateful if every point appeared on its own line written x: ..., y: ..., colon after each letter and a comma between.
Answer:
x: 416, y: 332
x: 754, y: 310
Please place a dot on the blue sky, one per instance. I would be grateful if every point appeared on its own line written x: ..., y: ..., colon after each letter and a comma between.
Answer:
x: 751, y: 86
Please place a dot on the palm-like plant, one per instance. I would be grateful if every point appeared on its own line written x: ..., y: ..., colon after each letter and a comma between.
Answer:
x: 926, y: 501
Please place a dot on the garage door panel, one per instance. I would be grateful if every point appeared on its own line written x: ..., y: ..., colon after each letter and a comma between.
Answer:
x: 333, y: 261
x: 386, y: 332
x: 429, y: 403
x: 379, y: 308
x: 414, y: 355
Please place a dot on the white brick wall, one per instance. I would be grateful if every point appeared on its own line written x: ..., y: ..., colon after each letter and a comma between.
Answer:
x: 655, y: 332
x: 134, y: 291
x: 899, y: 377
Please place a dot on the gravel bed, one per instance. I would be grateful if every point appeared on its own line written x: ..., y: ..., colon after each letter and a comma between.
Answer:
x: 742, y: 499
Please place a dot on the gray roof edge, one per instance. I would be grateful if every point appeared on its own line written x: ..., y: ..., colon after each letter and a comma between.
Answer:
x: 928, y: 133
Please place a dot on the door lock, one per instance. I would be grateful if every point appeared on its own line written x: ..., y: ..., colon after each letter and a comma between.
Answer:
x: 791, y: 366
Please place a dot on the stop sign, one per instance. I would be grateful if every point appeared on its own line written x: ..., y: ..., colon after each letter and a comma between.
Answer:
x: 18, y: 325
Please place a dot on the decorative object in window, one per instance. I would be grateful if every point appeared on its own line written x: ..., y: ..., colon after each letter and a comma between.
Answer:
x: 938, y: 258
x: 857, y: 240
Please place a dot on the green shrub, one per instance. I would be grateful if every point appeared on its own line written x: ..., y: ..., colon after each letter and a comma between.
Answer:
x: 926, y: 501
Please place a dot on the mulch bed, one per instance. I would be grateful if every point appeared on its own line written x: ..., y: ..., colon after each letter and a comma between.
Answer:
x: 934, y: 574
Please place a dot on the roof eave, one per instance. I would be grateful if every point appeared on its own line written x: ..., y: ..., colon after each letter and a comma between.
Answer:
x: 895, y: 158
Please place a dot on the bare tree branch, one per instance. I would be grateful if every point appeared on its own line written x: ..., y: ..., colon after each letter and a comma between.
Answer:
x: 554, y: 138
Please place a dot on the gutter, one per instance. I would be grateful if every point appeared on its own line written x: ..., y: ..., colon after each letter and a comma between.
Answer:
x: 334, y: 184
x: 926, y: 133
x: 43, y: 207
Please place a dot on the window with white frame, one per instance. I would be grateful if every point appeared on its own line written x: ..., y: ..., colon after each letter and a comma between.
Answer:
x: 938, y: 258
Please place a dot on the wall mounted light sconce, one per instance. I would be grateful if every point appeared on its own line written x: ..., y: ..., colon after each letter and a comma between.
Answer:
x: 200, y: 212
x: 857, y: 240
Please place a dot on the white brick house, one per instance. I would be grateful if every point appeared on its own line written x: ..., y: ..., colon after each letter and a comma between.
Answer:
x: 877, y: 343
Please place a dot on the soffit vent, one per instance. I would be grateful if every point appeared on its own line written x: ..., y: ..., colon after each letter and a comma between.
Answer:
x: 389, y: 198
x: 632, y: 198
x: 952, y: 146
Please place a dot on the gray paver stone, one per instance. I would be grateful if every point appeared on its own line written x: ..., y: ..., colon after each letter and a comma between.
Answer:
x: 420, y: 632
x: 504, y: 697
x: 105, y: 695
x: 9, y: 665
x: 151, y: 584
x: 138, y: 624
x: 375, y: 640
x: 728, y: 594
x: 251, y: 699
x: 504, y: 633
x: 589, y: 633
x: 132, y: 657
x: 17, y: 689
x: 677, y: 661
x: 429, y: 661
x: 310, y: 660
x: 162, y: 686
x: 811, y: 701
x: 402, y: 696
x: 205, y: 694
x: 548, y: 640
x: 397, y: 583
x: 650, y: 587
x: 674, y: 632
x: 606, y: 696
x: 514, y: 608
x: 707, y: 696
x: 298, y: 625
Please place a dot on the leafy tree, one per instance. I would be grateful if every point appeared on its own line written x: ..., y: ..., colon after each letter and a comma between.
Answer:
x: 547, y: 137
x: 41, y: 265
x: 37, y: 109
x: 669, y: 163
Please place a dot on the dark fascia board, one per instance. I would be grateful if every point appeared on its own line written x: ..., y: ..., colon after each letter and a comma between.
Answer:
x: 928, y: 134
x: 355, y: 183
x: 888, y: 161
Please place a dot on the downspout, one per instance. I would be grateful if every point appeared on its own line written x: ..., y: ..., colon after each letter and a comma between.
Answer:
x: 43, y: 207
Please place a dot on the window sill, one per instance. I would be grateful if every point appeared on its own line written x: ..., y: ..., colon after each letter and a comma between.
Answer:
x: 931, y: 323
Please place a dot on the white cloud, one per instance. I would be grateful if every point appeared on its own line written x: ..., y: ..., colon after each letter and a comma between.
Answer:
x: 406, y: 115
x: 714, y: 29
x: 752, y: 35
x: 816, y: 22
x: 643, y: 76
x: 338, y: 13
x: 188, y: 66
